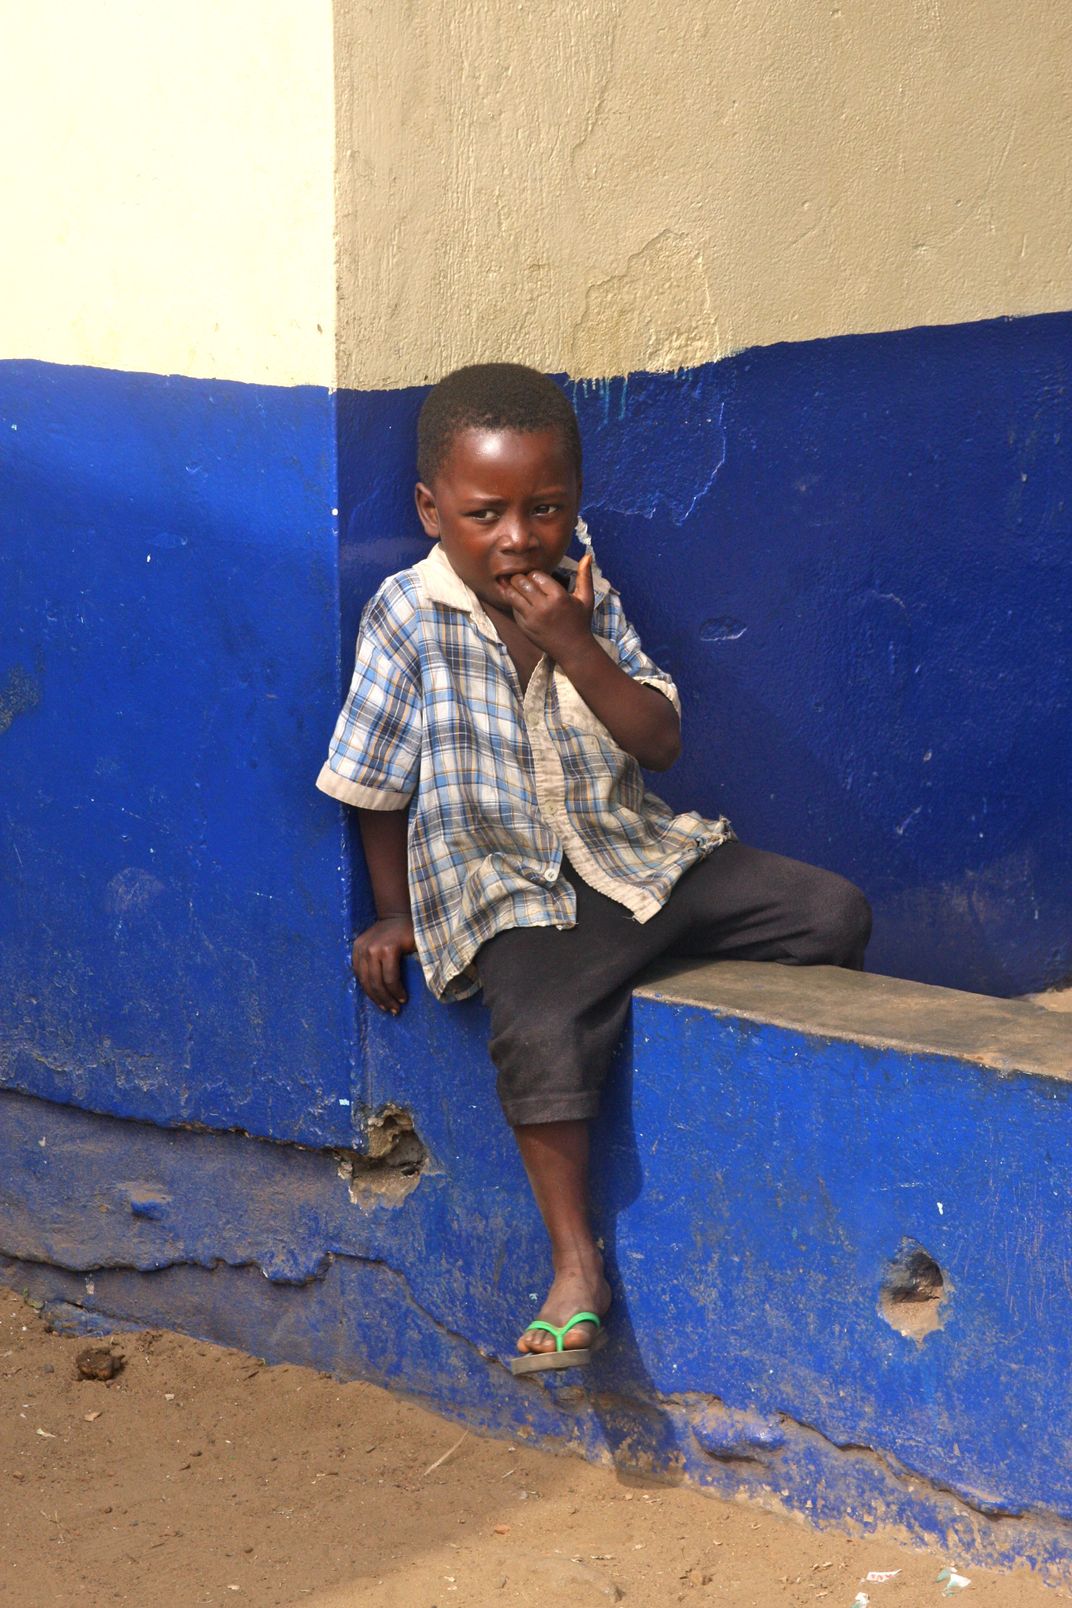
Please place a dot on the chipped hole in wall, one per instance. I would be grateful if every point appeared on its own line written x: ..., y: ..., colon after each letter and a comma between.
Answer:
x: 914, y: 1293
x: 391, y: 1168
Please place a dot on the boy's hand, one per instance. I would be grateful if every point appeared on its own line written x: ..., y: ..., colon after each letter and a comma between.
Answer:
x: 558, y: 621
x: 377, y: 959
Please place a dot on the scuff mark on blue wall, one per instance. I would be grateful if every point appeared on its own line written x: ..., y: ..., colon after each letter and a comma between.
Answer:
x: 20, y: 692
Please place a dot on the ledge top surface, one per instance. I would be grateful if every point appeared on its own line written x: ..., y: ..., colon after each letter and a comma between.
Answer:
x: 1010, y: 1035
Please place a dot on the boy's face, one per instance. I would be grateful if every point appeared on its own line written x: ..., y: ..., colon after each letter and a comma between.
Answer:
x: 503, y: 502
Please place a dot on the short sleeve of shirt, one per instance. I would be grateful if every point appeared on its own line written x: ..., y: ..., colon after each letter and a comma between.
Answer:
x: 611, y: 624
x: 374, y: 756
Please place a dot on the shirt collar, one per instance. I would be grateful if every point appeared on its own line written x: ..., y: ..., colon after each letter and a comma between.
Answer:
x: 442, y: 585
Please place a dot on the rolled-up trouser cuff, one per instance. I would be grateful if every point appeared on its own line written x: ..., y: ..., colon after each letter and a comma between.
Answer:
x: 551, y: 1108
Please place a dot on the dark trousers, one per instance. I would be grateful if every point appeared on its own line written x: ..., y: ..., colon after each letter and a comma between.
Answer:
x: 559, y: 999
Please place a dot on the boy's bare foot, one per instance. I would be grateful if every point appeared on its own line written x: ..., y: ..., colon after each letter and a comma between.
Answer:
x: 575, y: 1289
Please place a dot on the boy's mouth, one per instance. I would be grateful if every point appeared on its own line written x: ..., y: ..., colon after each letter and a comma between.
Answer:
x: 501, y: 577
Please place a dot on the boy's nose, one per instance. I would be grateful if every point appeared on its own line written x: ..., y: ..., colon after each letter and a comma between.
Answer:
x: 515, y: 536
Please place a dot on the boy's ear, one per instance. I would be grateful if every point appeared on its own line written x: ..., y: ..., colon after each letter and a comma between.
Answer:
x: 427, y: 512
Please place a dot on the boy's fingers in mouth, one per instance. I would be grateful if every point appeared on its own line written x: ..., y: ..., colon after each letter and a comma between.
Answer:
x: 531, y: 581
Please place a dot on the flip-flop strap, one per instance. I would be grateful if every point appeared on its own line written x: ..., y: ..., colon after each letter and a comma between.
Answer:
x: 560, y: 1334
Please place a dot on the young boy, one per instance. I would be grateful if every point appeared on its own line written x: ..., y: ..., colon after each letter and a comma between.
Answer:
x: 500, y: 711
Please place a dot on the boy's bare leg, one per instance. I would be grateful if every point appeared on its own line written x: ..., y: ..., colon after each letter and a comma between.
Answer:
x: 556, y: 1159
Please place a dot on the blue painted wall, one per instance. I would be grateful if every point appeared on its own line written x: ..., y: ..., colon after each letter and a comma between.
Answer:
x: 853, y: 554
x: 174, y: 904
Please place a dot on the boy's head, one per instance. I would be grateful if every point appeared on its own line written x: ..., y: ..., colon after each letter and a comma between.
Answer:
x: 499, y: 455
x: 492, y: 396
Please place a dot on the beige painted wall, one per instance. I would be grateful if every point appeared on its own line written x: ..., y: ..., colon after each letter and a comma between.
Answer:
x: 166, y: 189
x: 606, y: 185
x: 574, y: 182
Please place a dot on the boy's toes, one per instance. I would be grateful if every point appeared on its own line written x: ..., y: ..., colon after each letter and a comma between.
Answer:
x: 580, y: 1336
x: 576, y: 1339
x: 536, y: 1340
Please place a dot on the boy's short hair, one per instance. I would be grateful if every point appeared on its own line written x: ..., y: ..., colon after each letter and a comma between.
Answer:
x: 492, y: 396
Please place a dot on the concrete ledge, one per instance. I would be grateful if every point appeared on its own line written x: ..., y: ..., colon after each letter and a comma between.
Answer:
x: 837, y: 1211
x: 1008, y: 1035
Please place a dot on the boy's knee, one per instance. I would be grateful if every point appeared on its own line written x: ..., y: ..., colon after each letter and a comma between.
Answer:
x: 840, y: 924
x: 857, y: 921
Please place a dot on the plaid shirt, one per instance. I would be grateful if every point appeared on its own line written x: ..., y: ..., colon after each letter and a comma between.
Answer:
x: 502, y: 783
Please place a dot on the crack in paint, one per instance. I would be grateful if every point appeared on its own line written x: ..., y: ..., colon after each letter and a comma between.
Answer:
x: 275, y: 1273
x: 621, y: 418
x: 901, y: 1473
x: 758, y: 1452
x: 316, y: 1274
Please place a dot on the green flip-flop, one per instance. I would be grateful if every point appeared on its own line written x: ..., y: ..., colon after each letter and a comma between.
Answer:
x: 575, y: 1357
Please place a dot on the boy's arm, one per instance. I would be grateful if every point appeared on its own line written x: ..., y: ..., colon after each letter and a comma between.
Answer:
x: 638, y: 717
x: 379, y: 949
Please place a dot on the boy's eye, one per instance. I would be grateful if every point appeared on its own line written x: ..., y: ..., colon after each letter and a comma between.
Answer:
x: 547, y: 508
x: 483, y: 516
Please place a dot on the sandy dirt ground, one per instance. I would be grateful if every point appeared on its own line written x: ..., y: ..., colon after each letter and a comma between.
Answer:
x: 202, y: 1475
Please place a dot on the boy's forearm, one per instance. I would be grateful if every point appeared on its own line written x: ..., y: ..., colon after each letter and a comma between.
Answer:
x: 637, y: 716
x: 383, y: 838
